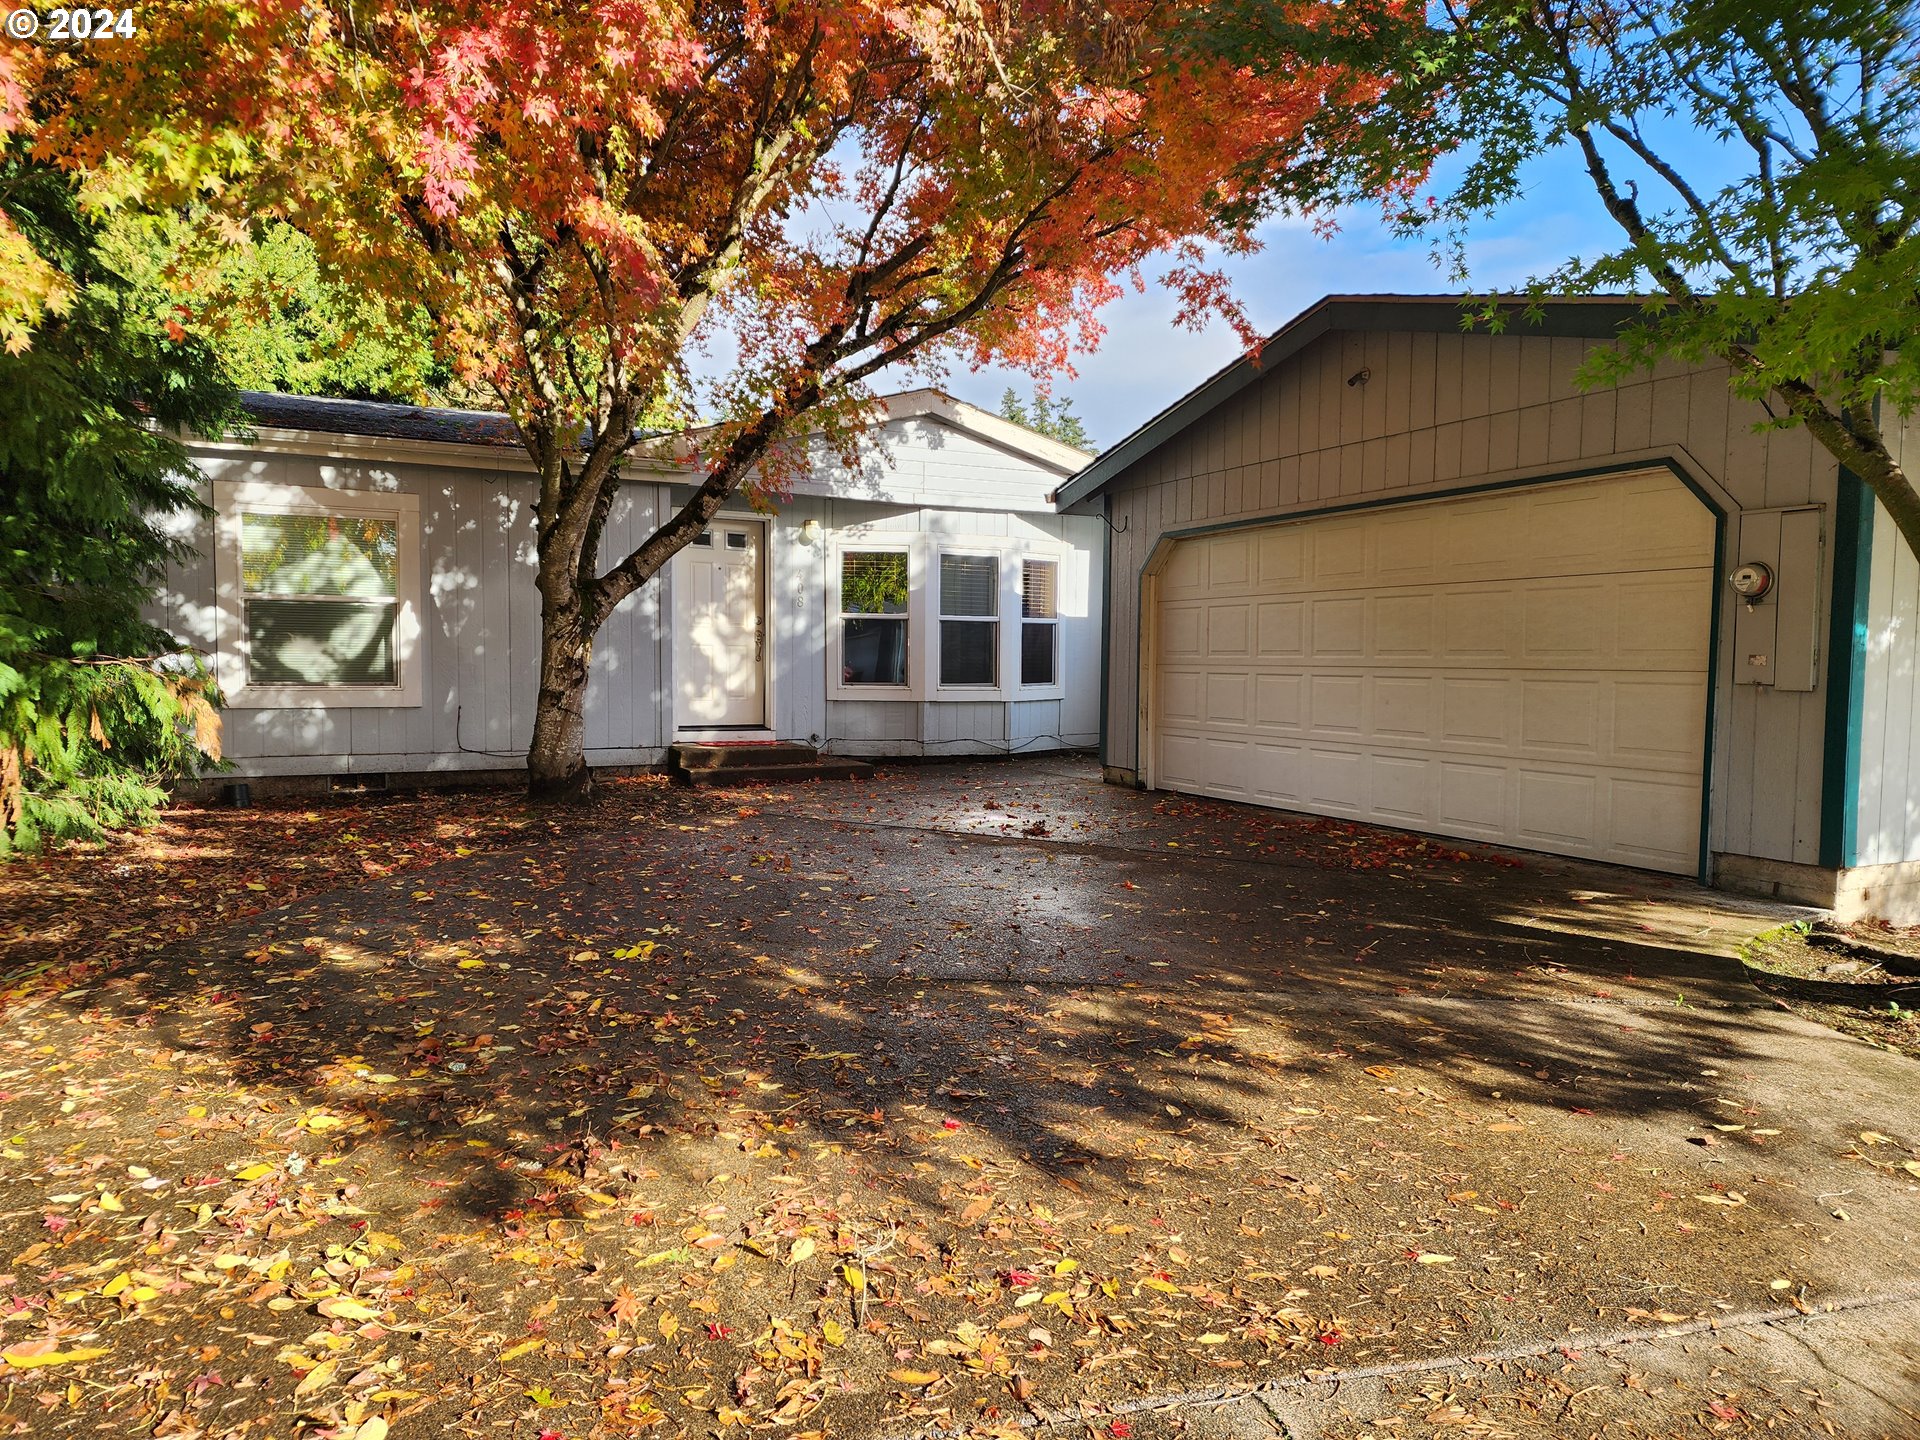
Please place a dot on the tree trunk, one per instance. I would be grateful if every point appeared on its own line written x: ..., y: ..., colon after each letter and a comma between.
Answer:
x: 557, y: 759
x: 1894, y: 489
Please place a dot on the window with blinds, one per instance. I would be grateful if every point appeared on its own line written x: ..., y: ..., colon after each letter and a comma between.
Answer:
x: 873, y: 617
x: 1039, y: 622
x: 320, y: 597
x: 969, y: 620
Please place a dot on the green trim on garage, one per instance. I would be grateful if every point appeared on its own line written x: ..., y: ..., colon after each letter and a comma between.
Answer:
x: 1591, y: 472
x: 1846, y: 673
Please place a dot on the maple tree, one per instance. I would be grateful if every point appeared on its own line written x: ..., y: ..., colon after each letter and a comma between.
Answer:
x: 98, y: 708
x: 580, y: 194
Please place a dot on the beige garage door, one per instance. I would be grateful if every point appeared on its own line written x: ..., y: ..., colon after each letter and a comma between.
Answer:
x: 1526, y: 667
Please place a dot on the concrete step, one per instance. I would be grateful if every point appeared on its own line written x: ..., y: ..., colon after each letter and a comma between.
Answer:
x: 778, y: 774
x: 719, y: 755
x: 721, y: 764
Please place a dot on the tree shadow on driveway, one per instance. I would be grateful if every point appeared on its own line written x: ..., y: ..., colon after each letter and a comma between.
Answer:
x: 1260, y: 1094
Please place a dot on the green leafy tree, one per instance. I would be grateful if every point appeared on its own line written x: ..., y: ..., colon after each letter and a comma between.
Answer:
x: 1046, y: 416
x: 1786, y: 249
x: 98, y: 708
x: 285, y: 325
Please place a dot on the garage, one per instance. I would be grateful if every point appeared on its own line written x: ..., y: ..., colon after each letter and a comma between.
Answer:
x: 1527, y: 667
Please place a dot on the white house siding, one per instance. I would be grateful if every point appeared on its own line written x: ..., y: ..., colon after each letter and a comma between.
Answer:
x: 935, y: 728
x: 1889, y: 813
x: 480, y: 636
x: 1443, y: 412
x: 480, y: 612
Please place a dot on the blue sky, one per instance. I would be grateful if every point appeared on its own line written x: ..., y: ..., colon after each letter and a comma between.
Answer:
x: 1146, y: 361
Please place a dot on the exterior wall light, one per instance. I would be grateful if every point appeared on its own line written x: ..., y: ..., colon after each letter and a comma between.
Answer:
x: 810, y: 532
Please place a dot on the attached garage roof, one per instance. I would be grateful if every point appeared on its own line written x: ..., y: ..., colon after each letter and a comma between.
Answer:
x: 1598, y: 317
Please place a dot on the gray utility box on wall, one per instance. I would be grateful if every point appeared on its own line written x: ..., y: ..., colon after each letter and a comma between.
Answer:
x: 1776, y: 637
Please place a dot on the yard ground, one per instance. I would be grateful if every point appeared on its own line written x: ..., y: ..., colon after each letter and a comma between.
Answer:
x: 969, y: 1097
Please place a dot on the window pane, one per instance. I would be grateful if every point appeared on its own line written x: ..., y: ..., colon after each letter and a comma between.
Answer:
x: 873, y: 652
x: 966, y: 651
x: 969, y: 585
x: 1037, y: 587
x: 320, y: 642
x: 873, y: 582
x: 1037, y: 654
x: 318, y: 555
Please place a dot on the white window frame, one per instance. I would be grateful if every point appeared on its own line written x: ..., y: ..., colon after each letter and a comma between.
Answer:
x: 923, y: 552
x: 234, y: 498
x: 1054, y: 688
x: 878, y: 544
x: 971, y: 550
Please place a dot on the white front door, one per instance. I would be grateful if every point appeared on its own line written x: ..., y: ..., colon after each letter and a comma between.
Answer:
x: 719, y: 629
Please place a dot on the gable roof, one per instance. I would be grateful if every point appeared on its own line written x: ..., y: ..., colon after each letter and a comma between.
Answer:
x: 1597, y: 317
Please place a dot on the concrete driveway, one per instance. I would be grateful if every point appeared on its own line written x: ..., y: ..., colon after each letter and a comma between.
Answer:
x: 1058, y: 1105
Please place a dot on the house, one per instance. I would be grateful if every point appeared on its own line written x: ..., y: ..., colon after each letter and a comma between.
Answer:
x: 364, y: 592
x: 1401, y: 574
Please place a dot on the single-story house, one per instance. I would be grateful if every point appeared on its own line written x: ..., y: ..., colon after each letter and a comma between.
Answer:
x: 364, y: 591
x: 1397, y: 573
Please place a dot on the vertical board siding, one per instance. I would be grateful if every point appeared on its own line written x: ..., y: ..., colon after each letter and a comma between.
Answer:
x: 480, y: 612
x: 1447, y: 411
x: 480, y: 631
x: 1889, y: 818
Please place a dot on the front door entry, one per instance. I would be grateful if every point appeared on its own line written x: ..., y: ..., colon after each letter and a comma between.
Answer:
x: 719, y: 647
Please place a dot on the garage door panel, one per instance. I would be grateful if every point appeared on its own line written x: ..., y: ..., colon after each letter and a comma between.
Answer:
x: 1663, y: 624
x: 1224, y: 765
x: 1403, y: 552
x: 1403, y: 628
x: 1479, y: 626
x: 1279, y: 702
x: 1662, y: 524
x: 1402, y: 790
x: 1226, y: 698
x: 1649, y: 813
x: 1186, y: 572
x: 1477, y: 712
x: 1230, y: 566
x: 1570, y: 530
x: 1336, y: 781
x: 1475, y: 800
x: 1229, y: 631
x: 1274, y: 771
x: 1281, y: 557
x: 1339, y: 553
x: 1569, y: 624
x: 1281, y: 627
x: 1180, y: 693
x: 1337, y: 704
x: 1404, y: 708
x: 1561, y: 717
x: 1340, y: 629
x: 1481, y: 538
x: 1658, y: 723
x: 1558, y: 809
x: 1528, y: 667
x: 1180, y: 633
